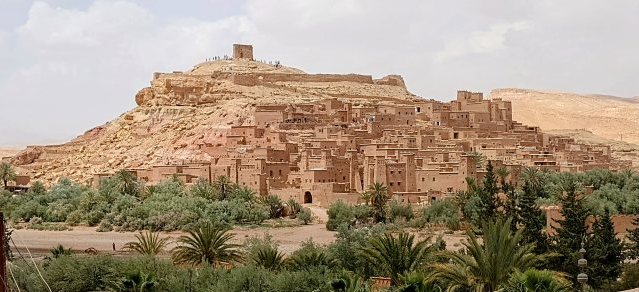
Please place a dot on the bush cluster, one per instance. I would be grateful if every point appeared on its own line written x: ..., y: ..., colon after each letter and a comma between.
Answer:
x: 167, y: 206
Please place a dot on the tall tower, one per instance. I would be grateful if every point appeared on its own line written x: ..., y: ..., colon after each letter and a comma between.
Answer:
x: 242, y: 51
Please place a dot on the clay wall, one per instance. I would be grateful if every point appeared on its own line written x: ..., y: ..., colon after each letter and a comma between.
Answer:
x: 621, y: 223
x: 252, y: 79
x: 482, y: 107
x: 445, y: 182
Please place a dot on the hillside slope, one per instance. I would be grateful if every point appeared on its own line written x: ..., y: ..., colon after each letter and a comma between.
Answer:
x: 606, y: 116
x: 182, y: 111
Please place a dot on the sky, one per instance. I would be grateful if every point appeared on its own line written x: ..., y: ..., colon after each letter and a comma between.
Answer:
x: 67, y: 66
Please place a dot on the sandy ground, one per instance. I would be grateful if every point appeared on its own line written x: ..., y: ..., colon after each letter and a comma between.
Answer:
x: 82, y: 238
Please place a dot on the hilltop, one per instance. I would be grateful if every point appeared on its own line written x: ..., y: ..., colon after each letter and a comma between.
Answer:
x: 181, y: 111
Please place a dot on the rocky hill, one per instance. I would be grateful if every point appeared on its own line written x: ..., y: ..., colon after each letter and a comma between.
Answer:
x: 181, y: 111
x: 610, y: 117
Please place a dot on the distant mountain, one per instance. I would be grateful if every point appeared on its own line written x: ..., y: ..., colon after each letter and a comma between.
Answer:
x: 610, y: 117
x: 7, y: 152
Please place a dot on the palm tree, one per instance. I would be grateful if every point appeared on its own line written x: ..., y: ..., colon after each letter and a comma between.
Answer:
x: 203, y: 188
x: 534, y: 177
x: 502, y: 173
x: 397, y: 255
x: 535, y: 280
x: 243, y: 193
x: 269, y: 258
x: 311, y: 259
x: 349, y: 282
x: 223, y: 186
x: 485, y: 266
x: 377, y: 196
x: 477, y: 158
x: 135, y: 282
x: 206, y: 244
x: 417, y: 282
x: 148, y: 243
x: 127, y: 183
x: 7, y: 173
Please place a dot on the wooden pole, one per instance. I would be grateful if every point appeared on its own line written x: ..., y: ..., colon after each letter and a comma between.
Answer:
x: 3, y: 256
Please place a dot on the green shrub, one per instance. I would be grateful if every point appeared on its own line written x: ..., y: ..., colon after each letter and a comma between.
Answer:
x: 348, y: 243
x: 400, y: 211
x: 629, y: 277
x: 339, y: 213
x: 276, y: 207
x: 294, y: 206
x: 444, y: 212
x: 104, y: 226
x: 305, y: 216
x: 311, y: 256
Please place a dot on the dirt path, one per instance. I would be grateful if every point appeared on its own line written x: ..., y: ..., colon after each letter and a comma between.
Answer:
x: 318, y: 212
x: 82, y: 238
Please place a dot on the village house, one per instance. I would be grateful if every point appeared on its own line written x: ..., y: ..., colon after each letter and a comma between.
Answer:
x: 422, y: 150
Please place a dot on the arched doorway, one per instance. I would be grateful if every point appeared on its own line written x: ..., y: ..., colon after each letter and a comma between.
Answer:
x: 308, y: 198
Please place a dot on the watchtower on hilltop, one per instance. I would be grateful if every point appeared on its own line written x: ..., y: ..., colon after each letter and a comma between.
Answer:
x: 242, y: 51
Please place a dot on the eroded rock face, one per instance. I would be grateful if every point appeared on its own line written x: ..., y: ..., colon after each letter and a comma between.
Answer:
x: 27, y: 156
x: 393, y: 80
x: 144, y: 96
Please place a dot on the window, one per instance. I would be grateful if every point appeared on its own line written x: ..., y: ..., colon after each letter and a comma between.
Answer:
x: 433, y: 179
x: 399, y: 183
x: 423, y: 179
x: 391, y: 184
x: 392, y: 172
x: 280, y: 171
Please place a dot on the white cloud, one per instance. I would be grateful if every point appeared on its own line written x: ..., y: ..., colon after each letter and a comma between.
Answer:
x: 487, y: 41
x: 77, y: 64
x: 83, y: 67
x: 100, y: 24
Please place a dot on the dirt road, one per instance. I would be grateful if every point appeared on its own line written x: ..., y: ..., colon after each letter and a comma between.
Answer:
x: 289, y: 238
x: 82, y: 238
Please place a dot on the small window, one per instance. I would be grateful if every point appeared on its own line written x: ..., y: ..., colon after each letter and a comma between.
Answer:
x: 423, y: 179
x: 392, y: 172
x: 399, y: 183
x: 391, y: 184
x: 433, y: 179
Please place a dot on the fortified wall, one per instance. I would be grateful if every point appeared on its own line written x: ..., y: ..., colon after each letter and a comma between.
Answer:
x: 220, y: 76
x: 186, y: 89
